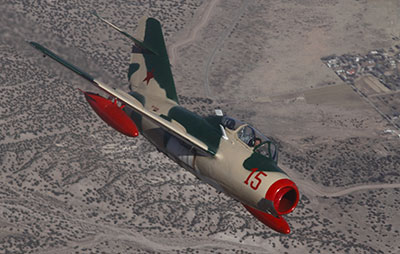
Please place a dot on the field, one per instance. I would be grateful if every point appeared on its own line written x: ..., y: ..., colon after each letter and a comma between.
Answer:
x: 70, y: 184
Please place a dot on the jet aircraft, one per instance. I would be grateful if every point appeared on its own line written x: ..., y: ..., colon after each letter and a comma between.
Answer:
x: 230, y: 155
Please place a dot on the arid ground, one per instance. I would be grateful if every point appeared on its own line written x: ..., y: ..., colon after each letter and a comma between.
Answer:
x: 71, y: 184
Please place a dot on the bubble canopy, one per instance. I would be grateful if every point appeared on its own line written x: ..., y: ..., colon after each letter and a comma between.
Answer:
x: 251, y: 137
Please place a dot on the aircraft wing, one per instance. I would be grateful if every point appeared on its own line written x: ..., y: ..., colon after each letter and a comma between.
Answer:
x: 130, y: 101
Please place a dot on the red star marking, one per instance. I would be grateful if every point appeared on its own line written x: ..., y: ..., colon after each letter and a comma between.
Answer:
x: 150, y: 75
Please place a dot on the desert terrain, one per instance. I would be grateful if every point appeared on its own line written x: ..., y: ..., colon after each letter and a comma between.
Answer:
x: 71, y: 184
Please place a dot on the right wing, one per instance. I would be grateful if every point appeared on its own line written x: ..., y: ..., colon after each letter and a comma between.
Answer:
x: 171, y: 127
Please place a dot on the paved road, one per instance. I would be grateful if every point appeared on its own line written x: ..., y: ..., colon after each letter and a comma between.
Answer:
x: 308, y: 187
x: 311, y: 188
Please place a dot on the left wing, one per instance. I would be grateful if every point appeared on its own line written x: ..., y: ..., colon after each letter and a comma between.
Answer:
x: 172, y: 127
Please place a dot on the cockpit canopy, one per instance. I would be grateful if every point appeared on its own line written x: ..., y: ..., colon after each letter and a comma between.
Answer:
x: 252, y: 137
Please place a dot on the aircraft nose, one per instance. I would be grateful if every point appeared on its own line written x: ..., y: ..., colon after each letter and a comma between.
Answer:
x: 284, y: 195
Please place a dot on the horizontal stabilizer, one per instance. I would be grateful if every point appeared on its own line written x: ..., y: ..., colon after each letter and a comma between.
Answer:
x: 136, y: 41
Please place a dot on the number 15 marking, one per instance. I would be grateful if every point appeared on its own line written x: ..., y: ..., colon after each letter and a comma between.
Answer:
x: 254, y: 187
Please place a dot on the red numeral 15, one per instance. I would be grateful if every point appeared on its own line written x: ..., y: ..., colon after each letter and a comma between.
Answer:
x: 254, y: 187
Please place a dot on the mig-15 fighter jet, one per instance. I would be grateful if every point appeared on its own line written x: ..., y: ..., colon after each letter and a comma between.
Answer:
x: 226, y: 153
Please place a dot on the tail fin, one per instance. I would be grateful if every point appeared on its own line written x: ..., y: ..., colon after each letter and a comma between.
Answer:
x: 149, y: 65
x: 149, y: 70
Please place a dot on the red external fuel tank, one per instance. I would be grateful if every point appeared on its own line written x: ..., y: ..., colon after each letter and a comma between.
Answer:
x: 112, y: 114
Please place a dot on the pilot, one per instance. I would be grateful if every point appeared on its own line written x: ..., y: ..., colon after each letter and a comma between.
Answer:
x: 254, y: 142
x: 257, y: 141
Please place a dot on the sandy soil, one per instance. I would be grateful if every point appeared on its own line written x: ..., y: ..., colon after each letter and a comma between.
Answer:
x: 70, y: 184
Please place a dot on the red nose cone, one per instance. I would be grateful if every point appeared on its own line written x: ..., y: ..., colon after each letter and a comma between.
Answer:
x: 112, y: 114
x: 284, y: 194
